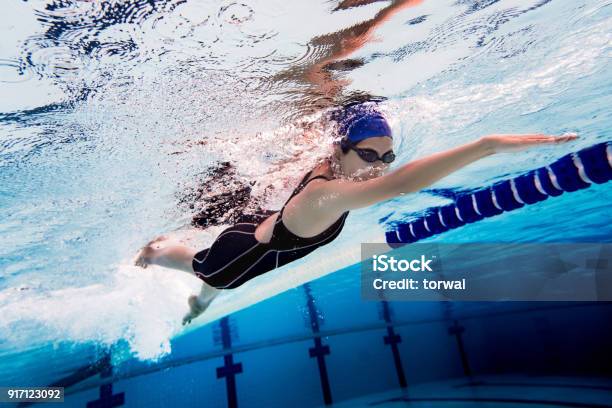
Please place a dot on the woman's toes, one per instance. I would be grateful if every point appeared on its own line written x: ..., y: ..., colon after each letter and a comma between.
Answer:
x: 143, y: 256
x: 141, y: 263
x: 193, y: 310
x: 187, y: 319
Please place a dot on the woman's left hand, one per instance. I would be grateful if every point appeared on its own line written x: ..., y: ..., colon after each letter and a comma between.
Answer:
x: 514, y: 143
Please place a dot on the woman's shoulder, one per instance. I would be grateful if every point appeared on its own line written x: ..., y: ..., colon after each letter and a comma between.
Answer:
x: 321, y: 171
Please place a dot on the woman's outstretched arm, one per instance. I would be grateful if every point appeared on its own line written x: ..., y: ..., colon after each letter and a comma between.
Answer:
x: 341, y: 195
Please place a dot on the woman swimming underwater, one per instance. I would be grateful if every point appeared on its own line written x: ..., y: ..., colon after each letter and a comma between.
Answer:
x: 355, y: 176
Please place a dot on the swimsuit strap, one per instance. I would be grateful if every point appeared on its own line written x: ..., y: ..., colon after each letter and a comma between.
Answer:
x: 299, y: 188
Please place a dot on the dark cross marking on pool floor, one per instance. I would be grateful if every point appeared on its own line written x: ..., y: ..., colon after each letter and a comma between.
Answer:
x: 393, y: 340
x: 320, y: 350
x: 107, y: 399
x: 457, y: 331
x: 229, y: 369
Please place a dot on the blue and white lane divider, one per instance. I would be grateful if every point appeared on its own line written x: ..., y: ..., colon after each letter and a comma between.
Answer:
x: 571, y: 172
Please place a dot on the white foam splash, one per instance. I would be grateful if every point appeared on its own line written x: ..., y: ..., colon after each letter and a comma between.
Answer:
x: 143, y: 307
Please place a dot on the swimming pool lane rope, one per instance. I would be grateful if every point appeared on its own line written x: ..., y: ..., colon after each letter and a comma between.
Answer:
x: 572, y: 172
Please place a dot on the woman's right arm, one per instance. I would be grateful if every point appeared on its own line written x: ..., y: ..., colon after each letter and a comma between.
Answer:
x: 338, y: 196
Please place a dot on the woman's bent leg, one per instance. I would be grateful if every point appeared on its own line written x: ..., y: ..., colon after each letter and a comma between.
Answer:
x: 175, y: 257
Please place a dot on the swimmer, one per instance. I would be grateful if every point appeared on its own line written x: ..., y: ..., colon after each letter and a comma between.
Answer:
x: 355, y: 176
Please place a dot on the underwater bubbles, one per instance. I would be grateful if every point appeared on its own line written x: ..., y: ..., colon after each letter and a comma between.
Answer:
x: 236, y: 13
x: 56, y: 61
x: 12, y: 71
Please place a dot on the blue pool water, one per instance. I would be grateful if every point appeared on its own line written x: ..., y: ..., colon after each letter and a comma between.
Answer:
x: 112, y: 111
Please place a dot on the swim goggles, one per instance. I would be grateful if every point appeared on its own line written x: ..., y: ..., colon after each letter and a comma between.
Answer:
x: 369, y: 155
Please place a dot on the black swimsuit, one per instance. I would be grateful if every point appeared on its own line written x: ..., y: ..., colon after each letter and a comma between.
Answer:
x: 236, y: 256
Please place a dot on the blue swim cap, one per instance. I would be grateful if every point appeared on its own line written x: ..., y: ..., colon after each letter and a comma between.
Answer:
x: 361, y: 121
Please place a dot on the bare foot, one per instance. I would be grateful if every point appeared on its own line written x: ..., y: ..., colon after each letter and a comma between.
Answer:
x: 143, y: 258
x: 196, y: 307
